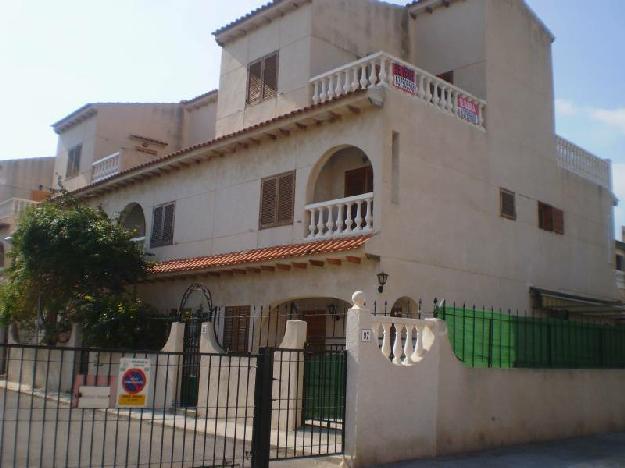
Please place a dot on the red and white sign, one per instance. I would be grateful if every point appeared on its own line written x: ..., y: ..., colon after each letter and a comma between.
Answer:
x: 468, y: 110
x: 404, y: 78
x: 133, y: 383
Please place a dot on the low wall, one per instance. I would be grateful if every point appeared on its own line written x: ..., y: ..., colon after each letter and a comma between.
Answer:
x: 437, y: 406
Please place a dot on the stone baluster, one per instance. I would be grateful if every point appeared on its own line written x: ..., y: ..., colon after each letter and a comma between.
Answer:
x: 316, y: 93
x: 320, y: 223
x: 348, y: 217
x: 408, y: 345
x: 386, y: 340
x: 340, y: 221
x: 324, y: 93
x: 481, y: 116
x: 373, y: 77
x: 419, y: 345
x: 358, y: 219
x: 383, y: 73
x: 454, y: 103
x: 428, y: 89
x: 436, y: 91
x: 313, y: 225
x: 363, y: 76
x: 347, y: 85
x: 330, y: 223
x: 369, y: 215
x: 331, y: 87
x: 355, y: 83
x: 339, y: 85
x: 422, y: 91
x: 397, y: 347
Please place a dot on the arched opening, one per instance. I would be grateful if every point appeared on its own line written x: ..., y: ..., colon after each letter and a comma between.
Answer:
x: 406, y: 307
x: 341, y: 194
x: 133, y: 219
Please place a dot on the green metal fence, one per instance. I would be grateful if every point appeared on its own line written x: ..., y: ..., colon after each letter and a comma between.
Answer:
x: 483, y: 338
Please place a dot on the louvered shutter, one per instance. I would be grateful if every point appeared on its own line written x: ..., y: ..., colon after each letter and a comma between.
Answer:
x: 157, y: 226
x: 558, y: 221
x: 545, y: 216
x: 255, y: 82
x: 168, y: 224
x: 236, y: 329
x: 508, y: 208
x: 286, y: 196
x: 270, y: 76
x: 268, y: 201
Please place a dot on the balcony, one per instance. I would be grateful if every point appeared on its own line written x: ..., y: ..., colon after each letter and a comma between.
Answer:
x: 106, y: 167
x: 11, y: 209
x: 340, y: 218
x: 382, y: 69
x: 579, y: 161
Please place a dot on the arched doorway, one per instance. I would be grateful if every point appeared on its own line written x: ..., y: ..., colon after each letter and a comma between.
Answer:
x: 195, y: 308
x: 133, y: 219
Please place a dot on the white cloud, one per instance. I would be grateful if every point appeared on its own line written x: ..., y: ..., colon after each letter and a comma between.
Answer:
x: 565, y: 107
x: 611, y: 117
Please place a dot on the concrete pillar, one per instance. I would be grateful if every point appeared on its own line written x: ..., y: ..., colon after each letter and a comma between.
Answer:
x: 288, y: 371
x: 168, y: 368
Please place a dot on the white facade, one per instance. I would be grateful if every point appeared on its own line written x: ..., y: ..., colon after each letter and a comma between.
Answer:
x: 434, y: 207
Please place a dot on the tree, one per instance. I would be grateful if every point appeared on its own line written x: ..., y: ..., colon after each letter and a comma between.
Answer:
x: 68, y: 258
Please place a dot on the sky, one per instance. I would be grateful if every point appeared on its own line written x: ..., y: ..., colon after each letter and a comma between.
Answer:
x: 57, y: 55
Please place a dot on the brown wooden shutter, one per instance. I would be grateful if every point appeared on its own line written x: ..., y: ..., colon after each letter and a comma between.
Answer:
x: 268, y: 201
x: 236, y: 329
x: 508, y: 205
x: 270, y: 76
x: 286, y: 198
x: 255, y: 82
x: 157, y: 225
x: 545, y: 216
x: 558, y: 221
x: 168, y: 224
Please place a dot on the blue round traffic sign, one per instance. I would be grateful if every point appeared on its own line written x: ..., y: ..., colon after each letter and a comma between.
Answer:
x: 133, y: 381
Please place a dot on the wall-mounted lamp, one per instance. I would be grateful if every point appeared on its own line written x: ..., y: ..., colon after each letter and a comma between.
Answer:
x: 382, y: 279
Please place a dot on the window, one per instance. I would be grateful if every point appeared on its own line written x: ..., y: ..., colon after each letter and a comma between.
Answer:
x: 550, y: 218
x: 277, y: 196
x: 262, y: 79
x: 507, y: 204
x: 162, y: 225
x: 619, y: 262
x: 236, y: 329
x: 73, y: 161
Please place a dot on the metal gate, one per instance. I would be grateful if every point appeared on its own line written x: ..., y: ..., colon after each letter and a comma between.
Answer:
x: 250, y: 409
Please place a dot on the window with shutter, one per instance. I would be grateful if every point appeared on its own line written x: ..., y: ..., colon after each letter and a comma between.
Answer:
x: 163, y: 218
x: 545, y: 216
x: 277, y: 200
x: 255, y: 82
x: 73, y: 161
x: 558, y: 221
x: 507, y: 204
x: 236, y: 329
x: 262, y: 79
x: 619, y: 262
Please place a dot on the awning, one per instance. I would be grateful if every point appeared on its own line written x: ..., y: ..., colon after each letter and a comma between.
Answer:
x: 555, y: 301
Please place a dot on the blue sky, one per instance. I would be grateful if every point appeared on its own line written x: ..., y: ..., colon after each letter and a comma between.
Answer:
x: 57, y: 55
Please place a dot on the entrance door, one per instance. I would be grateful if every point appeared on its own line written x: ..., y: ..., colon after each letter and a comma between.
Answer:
x: 358, y: 181
x: 316, y: 329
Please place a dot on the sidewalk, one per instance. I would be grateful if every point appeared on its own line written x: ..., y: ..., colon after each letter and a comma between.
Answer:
x: 606, y: 450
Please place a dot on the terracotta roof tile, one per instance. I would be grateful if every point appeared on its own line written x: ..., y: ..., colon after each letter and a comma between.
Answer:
x: 267, y: 254
x: 249, y: 15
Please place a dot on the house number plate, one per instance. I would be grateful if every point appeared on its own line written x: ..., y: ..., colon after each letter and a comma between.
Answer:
x: 365, y: 336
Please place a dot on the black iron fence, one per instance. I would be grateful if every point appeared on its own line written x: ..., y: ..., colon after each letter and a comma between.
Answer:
x: 87, y: 407
x: 506, y: 339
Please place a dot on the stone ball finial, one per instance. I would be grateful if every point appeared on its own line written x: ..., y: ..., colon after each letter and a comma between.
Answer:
x: 359, y: 299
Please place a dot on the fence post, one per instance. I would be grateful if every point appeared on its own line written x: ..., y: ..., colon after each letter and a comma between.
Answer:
x: 261, y: 431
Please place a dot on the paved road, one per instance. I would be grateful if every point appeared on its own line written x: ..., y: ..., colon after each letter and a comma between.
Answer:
x: 607, y: 450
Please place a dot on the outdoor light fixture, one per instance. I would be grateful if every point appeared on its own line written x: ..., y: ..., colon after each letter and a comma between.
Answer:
x: 382, y: 278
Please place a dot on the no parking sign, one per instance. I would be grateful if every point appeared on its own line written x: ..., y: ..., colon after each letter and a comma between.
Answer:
x: 133, y: 383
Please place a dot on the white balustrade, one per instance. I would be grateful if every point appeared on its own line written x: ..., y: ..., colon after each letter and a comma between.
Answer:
x: 342, y: 217
x: 579, y: 161
x: 13, y: 207
x: 105, y: 167
x: 403, y: 337
x: 382, y: 69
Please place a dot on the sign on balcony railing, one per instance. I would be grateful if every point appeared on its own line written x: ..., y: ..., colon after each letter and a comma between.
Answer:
x: 382, y: 69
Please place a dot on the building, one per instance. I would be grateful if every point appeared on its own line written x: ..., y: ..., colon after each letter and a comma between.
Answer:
x: 22, y: 183
x: 352, y: 142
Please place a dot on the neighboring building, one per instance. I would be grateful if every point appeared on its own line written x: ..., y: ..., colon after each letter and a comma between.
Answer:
x: 22, y: 183
x: 619, y: 264
x: 101, y: 139
x: 434, y: 161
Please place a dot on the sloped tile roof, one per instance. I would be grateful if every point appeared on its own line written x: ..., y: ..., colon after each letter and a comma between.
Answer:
x: 268, y: 254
